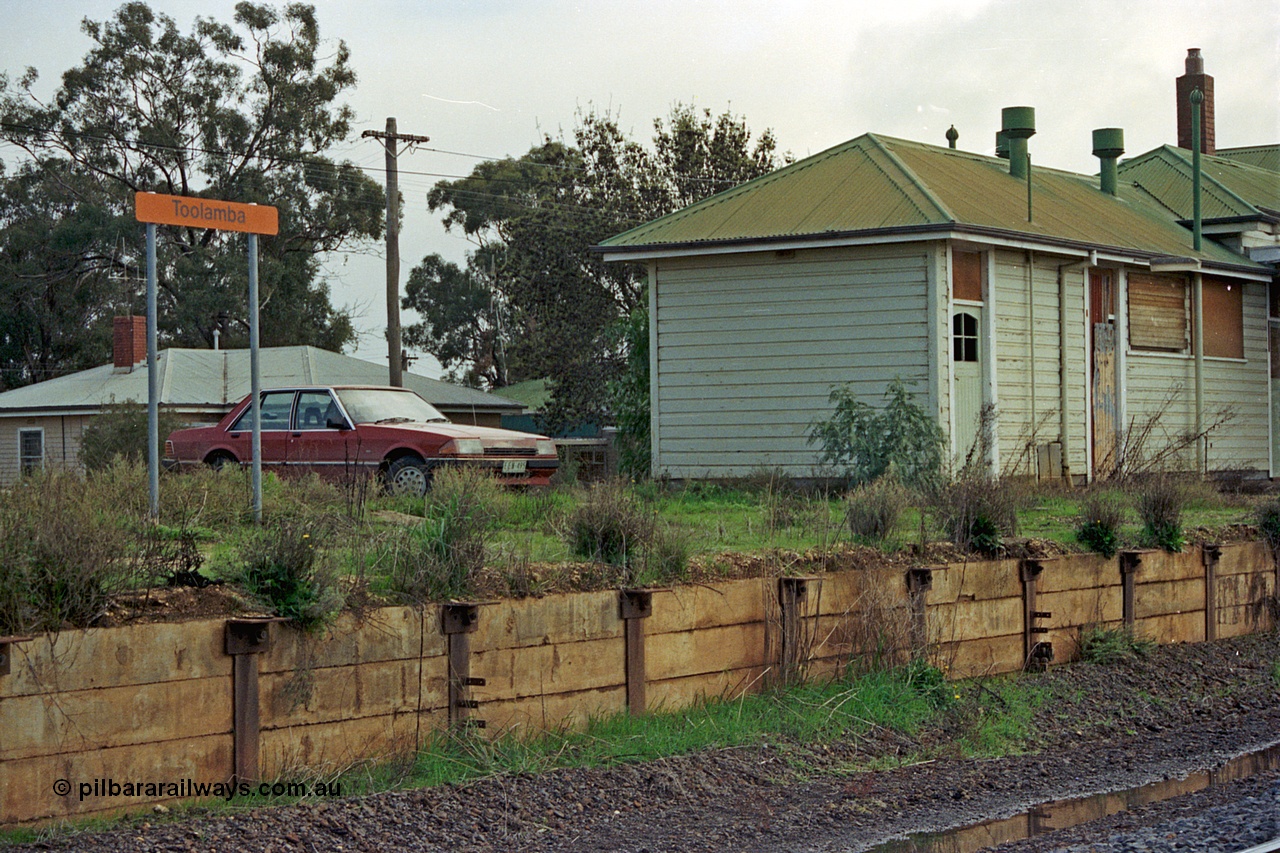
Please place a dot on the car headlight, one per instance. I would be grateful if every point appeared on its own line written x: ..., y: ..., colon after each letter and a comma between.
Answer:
x: 463, y: 447
x: 546, y: 447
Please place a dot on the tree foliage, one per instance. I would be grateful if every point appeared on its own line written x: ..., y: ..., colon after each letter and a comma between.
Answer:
x: 241, y: 111
x: 552, y: 304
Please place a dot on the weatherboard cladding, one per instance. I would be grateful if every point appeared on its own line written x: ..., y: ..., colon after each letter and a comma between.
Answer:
x: 750, y: 347
x: 875, y: 184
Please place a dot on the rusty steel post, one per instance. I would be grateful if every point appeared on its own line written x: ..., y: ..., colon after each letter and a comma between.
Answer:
x: 1129, y: 563
x: 458, y: 621
x: 635, y: 605
x: 1037, y: 653
x: 1209, y: 555
x: 919, y: 582
x: 245, y: 640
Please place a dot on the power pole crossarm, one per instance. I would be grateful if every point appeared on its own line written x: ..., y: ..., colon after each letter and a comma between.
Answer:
x: 390, y: 139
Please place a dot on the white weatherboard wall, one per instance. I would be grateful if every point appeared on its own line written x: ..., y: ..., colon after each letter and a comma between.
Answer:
x: 62, y: 434
x: 1024, y: 419
x: 1231, y: 384
x: 749, y: 346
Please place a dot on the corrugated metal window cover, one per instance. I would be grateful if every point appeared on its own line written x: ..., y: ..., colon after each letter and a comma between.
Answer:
x: 1158, y: 312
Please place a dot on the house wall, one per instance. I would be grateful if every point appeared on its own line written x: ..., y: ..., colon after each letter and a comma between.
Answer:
x: 1229, y: 384
x: 1029, y: 404
x: 61, y: 442
x: 749, y: 346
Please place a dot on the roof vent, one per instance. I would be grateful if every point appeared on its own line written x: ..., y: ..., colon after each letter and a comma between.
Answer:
x: 952, y: 136
x: 1002, y: 145
x: 1018, y: 125
x: 1108, y: 145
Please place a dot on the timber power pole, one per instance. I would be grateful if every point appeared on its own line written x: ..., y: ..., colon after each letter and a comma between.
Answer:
x: 390, y: 138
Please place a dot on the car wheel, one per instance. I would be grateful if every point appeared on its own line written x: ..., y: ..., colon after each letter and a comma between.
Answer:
x: 217, y: 460
x: 408, y: 475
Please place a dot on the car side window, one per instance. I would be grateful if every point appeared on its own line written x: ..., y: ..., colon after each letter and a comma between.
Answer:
x: 313, y: 410
x: 276, y: 408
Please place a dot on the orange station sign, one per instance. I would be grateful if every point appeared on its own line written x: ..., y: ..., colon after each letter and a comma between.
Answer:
x: 206, y: 213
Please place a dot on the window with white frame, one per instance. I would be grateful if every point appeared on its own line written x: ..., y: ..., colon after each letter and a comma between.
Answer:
x: 30, y: 450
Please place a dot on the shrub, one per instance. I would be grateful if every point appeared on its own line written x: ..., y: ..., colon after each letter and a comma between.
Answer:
x: 1113, y: 645
x: 629, y: 396
x: 1267, y: 518
x: 666, y: 556
x: 863, y: 443
x: 1101, y: 514
x: 283, y: 567
x: 1160, y: 499
x: 609, y: 525
x: 65, y: 549
x: 121, y: 432
x: 873, y: 509
x: 977, y: 511
x: 440, y: 558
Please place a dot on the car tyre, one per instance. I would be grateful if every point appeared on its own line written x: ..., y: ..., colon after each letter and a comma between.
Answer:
x: 217, y: 460
x: 408, y: 475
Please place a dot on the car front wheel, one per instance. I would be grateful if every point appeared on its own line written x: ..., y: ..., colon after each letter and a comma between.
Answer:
x: 408, y: 475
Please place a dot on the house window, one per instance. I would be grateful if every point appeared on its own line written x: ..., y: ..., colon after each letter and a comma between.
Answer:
x: 966, y: 275
x: 1223, y: 318
x: 30, y: 450
x: 1158, y: 312
x: 964, y: 337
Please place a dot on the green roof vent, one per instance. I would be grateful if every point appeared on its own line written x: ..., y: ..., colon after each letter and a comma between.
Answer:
x: 1018, y: 125
x: 1108, y: 145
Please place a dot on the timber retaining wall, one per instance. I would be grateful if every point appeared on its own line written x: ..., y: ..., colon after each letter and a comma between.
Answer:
x: 243, y: 699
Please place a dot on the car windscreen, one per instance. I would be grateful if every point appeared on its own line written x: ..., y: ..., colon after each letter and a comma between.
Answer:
x: 377, y: 405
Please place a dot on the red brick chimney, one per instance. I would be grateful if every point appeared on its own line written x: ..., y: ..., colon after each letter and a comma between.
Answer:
x: 1195, y: 78
x: 129, y: 344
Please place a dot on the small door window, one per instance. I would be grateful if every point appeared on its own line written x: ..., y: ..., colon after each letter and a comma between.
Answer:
x: 314, y: 410
x: 964, y: 337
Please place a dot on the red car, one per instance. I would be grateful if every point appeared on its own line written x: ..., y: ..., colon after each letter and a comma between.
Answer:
x: 341, y: 431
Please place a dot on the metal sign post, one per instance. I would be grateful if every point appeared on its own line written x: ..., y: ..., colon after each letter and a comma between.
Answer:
x: 252, y: 219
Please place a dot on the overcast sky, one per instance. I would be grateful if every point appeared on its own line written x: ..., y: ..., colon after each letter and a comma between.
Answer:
x: 488, y: 78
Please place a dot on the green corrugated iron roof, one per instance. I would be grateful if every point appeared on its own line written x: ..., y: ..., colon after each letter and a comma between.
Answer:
x: 213, y: 379
x: 1228, y: 188
x: 876, y: 184
x: 1259, y: 156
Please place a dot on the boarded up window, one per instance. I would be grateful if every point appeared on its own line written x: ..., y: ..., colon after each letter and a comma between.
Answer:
x: 1158, y: 312
x: 966, y: 275
x: 1223, y: 318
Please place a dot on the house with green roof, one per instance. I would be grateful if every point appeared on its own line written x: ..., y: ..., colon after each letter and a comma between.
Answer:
x: 1073, y: 308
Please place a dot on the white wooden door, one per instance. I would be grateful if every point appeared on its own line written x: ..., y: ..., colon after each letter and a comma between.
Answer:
x: 966, y: 363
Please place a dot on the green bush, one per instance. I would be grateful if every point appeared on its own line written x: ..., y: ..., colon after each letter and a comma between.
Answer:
x: 1267, y: 517
x: 1159, y: 500
x: 121, y: 432
x: 1113, y: 645
x: 609, y: 525
x: 282, y: 566
x: 440, y: 558
x: 67, y: 545
x: 1101, y: 514
x: 976, y: 512
x: 873, y: 509
x: 863, y: 443
x: 629, y: 396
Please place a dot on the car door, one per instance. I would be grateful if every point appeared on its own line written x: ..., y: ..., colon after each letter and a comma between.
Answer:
x: 277, y: 410
x: 316, y: 441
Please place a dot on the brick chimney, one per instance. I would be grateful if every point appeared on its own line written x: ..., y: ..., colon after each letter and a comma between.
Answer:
x: 129, y: 342
x: 1195, y: 78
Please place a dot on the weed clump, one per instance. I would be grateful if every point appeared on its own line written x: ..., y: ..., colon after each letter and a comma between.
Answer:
x: 873, y: 509
x: 976, y: 511
x: 1101, y: 514
x: 609, y: 525
x: 1267, y: 517
x: 1103, y: 645
x: 1160, y: 499
x: 282, y: 566
x: 441, y: 558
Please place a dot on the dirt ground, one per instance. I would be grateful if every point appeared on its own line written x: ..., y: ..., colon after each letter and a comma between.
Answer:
x: 1102, y: 727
